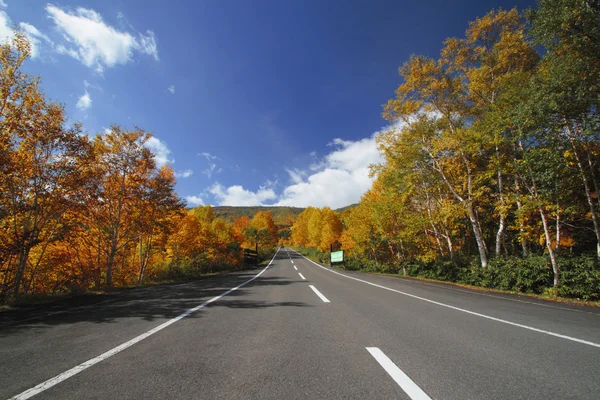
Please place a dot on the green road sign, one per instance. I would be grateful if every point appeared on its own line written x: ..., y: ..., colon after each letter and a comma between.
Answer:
x: 337, y: 256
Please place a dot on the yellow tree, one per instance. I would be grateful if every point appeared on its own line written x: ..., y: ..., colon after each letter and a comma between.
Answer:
x: 491, y: 59
x: 124, y: 166
x: 183, y: 244
x: 360, y: 230
x: 156, y: 206
x: 300, y: 228
x: 332, y: 228
x: 315, y: 226
x: 205, y: 214
x: 432, y: 104
x: 266, y: 230
x: 239, y: 230
x: 43, y: 165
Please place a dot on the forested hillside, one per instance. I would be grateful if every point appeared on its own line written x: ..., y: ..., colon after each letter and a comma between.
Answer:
x: 491, y: 171
x: 281, y: 215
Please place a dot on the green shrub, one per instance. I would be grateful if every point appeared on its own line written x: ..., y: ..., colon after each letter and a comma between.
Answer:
x: 353, y: 264
x: 579, y: 277
x: 526, y: 275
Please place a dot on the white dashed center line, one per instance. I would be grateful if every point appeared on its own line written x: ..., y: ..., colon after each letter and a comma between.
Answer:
x: 314, y: 289
x: 410, y: 388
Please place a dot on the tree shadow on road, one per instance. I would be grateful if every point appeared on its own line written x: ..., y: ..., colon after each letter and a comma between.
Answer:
x: 164, y: 301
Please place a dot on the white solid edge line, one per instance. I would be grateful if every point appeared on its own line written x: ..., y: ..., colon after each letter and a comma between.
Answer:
x: 410, y: 388
x: 296, y: 268
x: 325, y: 300
x: 75, y: 370
x: 531, y: 328
x: 301, y: 276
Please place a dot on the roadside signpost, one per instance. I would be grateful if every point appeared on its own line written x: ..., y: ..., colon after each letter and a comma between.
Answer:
x: 336, y: 257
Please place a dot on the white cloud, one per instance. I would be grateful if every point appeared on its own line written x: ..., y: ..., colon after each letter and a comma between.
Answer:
x: 340, y: 179
x: 194, y: 200
x: 184, y: 174
x: 35, y: 37
x: 210, y: 170
x: 171, y: 89
x: 6, y: 30
x: 208, y: 156
x: 148, y: 45
x: 3, y: 4
x: 69, y: 52
x: 238, y: 196
x: 212, y: 166
x: 95, y: 43
x: 296, y: 175
x: 160, y: 150
x: 84, y: 102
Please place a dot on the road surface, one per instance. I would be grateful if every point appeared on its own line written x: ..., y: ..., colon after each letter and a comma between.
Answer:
x: 297, y: 330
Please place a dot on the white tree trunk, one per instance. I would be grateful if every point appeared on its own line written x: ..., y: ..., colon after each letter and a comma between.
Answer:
x: 549, y: 246
x: 588, y: 194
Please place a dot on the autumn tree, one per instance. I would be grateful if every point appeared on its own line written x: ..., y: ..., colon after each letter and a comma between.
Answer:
x: 448, y: 107
x: 490, y: 59
x: 331, y: 229
x: 315, y: 226
x: 300, y: 229
x: 128, y: 182
x: 265, y: 229
x: 567, y: 87
x: 157, y: 205
x: 240, y: 227
x: 43, y: 168
x: 184, y: 245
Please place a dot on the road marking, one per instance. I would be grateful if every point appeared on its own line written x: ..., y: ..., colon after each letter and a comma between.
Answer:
x: 301, y: 276
x: 296, y: 268
x: 85, y: 365
x: 455, y: 289
x: 325, y: 300
x: 292, y: 261
x: 531, y: 328
x: 410, y: 388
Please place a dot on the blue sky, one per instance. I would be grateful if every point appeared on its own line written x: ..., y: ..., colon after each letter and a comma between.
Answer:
x: 253, y: 102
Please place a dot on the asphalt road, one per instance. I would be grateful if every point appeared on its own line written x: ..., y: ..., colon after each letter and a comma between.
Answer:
x: 299, y: 330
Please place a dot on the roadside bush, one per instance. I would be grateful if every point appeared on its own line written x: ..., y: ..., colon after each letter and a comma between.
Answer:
x: 314, y: 254
x: 265, y: 254
x: 353, y: 264
x: 526, y: 275
x: 441, y: 269
x: 580, y: 277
